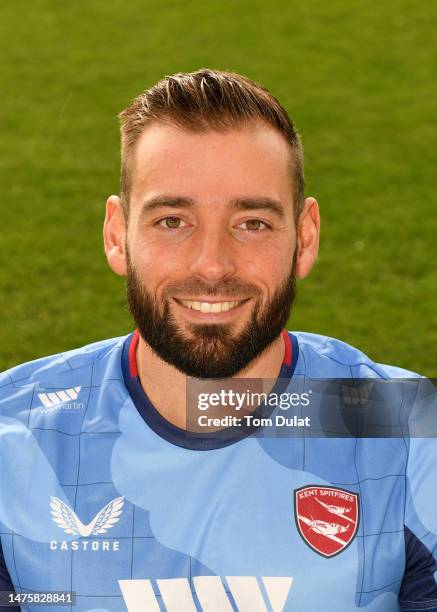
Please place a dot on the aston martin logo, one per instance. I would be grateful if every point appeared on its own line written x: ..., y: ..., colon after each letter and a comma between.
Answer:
x: 67, y: 519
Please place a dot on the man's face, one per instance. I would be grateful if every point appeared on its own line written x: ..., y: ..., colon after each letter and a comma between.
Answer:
x: 210, y: 246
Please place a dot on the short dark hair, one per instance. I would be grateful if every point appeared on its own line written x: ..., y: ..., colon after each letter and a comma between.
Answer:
x: 206, y: 100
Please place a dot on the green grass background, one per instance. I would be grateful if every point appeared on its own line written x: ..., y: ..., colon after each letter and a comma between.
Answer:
x: 359, y: 80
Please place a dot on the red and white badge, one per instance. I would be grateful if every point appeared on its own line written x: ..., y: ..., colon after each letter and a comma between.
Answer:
x: 326, y: 517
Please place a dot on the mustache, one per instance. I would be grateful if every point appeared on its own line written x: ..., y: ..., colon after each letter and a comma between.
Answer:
x: 224, y: 288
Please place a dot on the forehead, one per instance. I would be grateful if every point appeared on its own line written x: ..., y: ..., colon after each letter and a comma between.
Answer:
x: 211, y: 166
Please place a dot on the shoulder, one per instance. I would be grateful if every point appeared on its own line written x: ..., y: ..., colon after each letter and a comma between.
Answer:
x: 322, y: 356
x: 60, y: 372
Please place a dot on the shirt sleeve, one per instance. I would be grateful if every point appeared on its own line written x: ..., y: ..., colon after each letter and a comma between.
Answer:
x: 419, y: 587
x: 5, y: 581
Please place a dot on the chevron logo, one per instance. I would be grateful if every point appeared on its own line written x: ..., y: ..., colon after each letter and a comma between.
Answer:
x: 55, y: 398
x: 176, y: 594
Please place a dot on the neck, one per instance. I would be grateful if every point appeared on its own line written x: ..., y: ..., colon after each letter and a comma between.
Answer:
x: 166, y: 386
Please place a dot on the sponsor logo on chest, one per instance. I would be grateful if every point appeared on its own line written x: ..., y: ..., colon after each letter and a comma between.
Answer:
x: 55, y: 401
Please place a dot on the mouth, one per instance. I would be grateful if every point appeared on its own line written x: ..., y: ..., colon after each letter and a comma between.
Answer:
x: 214, y: 307
x: 211, y: 310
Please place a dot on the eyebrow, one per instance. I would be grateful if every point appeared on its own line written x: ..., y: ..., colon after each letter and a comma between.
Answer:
x: 168, y: 201
x: 275, y: 206
x: 260, y: 203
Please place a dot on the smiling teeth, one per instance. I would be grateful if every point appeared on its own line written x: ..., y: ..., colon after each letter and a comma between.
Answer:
x: 208, y: 307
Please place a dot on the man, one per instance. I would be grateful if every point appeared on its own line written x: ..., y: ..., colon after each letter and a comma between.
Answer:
x: 108, y: 492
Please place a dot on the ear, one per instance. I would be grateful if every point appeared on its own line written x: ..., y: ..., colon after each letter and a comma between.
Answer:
x: 114, y: 235
x: 308, y: 233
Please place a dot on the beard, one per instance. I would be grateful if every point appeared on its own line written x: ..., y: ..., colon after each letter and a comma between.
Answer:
x: 209, y: 350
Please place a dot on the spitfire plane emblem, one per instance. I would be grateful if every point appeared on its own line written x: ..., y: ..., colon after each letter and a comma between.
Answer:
x: 326, y: 518
x: 67, y: 519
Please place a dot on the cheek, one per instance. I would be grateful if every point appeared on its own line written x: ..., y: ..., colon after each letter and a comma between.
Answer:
x: 270, y: 268
x: 156, y: 270
x: 153, y: 255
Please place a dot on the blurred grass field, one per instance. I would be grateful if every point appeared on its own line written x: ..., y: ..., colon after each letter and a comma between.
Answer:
x: 358, y: 79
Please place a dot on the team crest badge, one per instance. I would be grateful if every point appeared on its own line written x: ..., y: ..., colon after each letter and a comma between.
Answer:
x: 326, y: 518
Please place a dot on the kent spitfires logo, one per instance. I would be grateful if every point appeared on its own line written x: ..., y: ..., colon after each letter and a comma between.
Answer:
x: 326, y: 518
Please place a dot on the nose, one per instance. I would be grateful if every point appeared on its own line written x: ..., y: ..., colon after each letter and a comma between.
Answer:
x: 212, y: 255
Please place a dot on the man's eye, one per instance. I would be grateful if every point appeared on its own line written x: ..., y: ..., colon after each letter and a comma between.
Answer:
x: 254, y: 225
x: 170, y: 222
